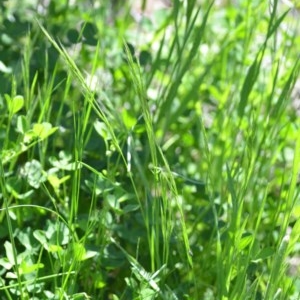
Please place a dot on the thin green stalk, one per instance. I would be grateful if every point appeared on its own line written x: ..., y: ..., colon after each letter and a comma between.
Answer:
x: 10, y: 228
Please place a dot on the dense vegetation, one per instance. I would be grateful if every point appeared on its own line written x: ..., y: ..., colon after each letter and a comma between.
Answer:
x: 149, y: 155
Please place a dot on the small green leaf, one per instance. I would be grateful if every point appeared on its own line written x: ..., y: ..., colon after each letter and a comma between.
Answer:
x: 248, y: 84
x: 5, y: 263
x: 43, y: 130
x: 102, y: 130
x: 113, y: 202
x: 55, y: 248
x: 244, y: 241
x: 4, y: 68
x: 15, y: 104
x: 79, y: 252
x: 264, y: 253
x: 145, y: 58
x: 22, y: 124
x: 89, y: 31
x: 56, y: 182
x: 128, y: 119
x: 26, y: 268
x: 130, y: 207
x: 39, y: 131
x: 24, y: 236
x: 29, y: 137
x: 40, y: 235
x: 11, y: 275
x: 147, y: 293
x: 99, y: 282
x: 34, y: 173
x: 73, y: 36
x: 9, y: 252
x: 90, y: 254
x: 63, y: 162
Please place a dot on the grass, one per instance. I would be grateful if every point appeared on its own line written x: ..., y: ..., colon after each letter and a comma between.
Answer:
x: 149, y: 160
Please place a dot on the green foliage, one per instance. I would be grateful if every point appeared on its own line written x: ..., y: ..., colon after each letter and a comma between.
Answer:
x: 151, y: 156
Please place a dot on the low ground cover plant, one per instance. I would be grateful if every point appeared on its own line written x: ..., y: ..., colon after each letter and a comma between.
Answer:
x: 149, y: 153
